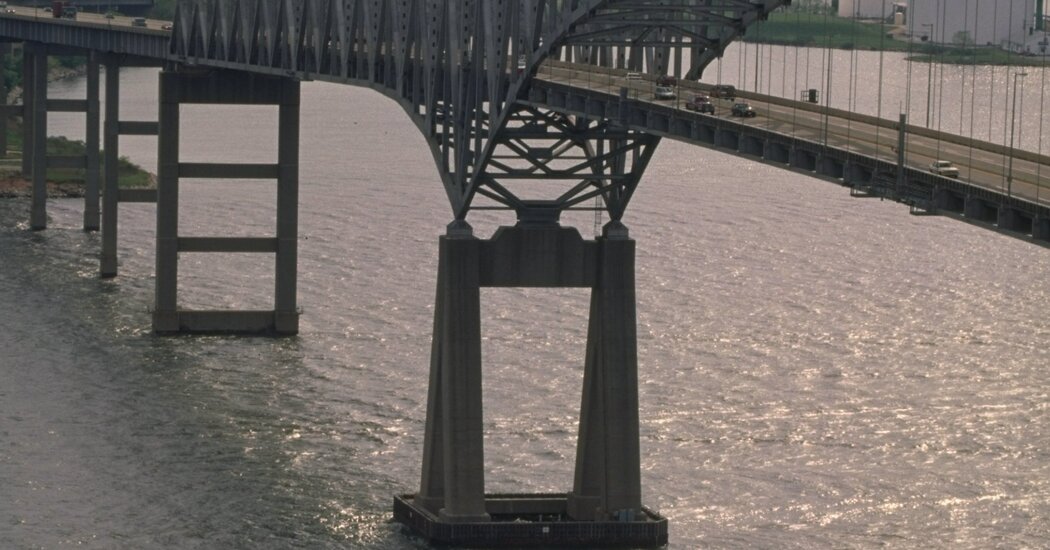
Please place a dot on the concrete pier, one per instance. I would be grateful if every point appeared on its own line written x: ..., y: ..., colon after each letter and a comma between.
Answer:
x: 38, y: 136
x: 113, y: 128
x: 605, y: 504
x: 35, y: 160
x: 226, y: 88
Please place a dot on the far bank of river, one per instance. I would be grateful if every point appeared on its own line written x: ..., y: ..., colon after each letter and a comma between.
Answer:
x: 829, y: 31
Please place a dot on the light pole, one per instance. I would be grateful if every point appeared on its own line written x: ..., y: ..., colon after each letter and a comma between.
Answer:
x: 929, y: 74
x: 1013, y: 123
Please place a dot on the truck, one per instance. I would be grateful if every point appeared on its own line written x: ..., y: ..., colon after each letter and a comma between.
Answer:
x: 60, y: 9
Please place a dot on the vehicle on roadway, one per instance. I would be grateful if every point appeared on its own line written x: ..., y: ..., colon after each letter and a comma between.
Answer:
x: 700, y: 103
x: 725, y: 91
x: 743, y: 109
x: 138, y: 22
x: 944, y: 168
x: 664, y: 92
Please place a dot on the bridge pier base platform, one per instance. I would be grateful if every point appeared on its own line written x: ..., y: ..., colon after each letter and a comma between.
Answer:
x: 604, y: 507
x: 538, y: 520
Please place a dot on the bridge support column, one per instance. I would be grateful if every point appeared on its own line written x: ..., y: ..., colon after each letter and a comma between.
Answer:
x: 110, y: 192
x: 7, y: 110
x: 112, y: 195
x: 91, y: 145
x: 38, y: 137
x: 227, y: 87
x: 1041, y: 229
x: 607, y: 486
x: 608, y: 464
x: 27, y: 108
x: 453, y: 481
x: 977, y: 209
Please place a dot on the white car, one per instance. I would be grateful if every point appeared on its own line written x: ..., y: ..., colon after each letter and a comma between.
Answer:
x: 664, y: 92
x: 944, y: 168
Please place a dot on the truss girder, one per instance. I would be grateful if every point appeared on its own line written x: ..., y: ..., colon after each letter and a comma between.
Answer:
x: 459, y: 68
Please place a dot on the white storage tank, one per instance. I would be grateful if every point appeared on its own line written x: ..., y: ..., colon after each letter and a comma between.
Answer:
x: 1003, y: 23
x: 865, y: 9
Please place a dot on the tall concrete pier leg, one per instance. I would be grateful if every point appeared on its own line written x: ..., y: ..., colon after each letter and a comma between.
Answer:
x: 110, y: 192
x: 460, y: 333
x: 27, y: 109
x: 432, y: 484
x: 38, y: 208
x: 5, y: 50
x: 286, y: 315
x: 91, y: 176
x: 608, y: 465
x: 165, y: 312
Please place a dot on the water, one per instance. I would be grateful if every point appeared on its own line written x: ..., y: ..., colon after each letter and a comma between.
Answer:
x: 816, y: 371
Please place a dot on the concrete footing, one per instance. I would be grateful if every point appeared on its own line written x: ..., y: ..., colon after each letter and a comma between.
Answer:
x: 222, y: 87
x: 607, y: 486
x: 539, y: 520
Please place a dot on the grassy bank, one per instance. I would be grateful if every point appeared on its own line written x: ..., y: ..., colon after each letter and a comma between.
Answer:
x: 129, y: 174
x: 795, y: 28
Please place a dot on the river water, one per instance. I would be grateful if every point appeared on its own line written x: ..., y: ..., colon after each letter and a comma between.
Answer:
x: 816, y: 371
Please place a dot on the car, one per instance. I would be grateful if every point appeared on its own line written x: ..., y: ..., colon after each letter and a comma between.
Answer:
x: 944, y: 168
x: 700, y: 103
x: 743, y: 109
x: 167, y: 27
x: 665, y: 80
x: 723, y: 91
x: 664, y: 92
x: 138, y: 22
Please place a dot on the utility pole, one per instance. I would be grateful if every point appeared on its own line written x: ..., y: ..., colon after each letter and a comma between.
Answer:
x: 1013, y: 123
x: 929, y: 75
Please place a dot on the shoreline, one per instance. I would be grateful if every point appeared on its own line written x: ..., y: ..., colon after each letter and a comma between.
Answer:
x: 16, y: 187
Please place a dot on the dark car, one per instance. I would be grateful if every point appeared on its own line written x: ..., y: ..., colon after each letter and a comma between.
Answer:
x: 723, y: 91
x: 665, y: 80
x: 743, y: 109
x: 700, y: 103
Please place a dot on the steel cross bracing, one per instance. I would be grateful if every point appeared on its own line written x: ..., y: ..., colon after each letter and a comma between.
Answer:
x: 459, y: 68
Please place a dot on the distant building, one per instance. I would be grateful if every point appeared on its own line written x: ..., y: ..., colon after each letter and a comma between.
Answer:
x: 866, y: 9
x: 1009, y: 24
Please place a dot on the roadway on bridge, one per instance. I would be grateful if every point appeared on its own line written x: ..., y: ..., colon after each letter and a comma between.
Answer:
x: 977, y: 164
x: 89, y: 18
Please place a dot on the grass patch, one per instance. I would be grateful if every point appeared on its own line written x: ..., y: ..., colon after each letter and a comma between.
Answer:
x: 129, y: 174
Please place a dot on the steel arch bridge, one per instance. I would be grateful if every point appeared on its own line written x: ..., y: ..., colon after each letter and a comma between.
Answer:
x: 464, y: 71
x: 460, y: 69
